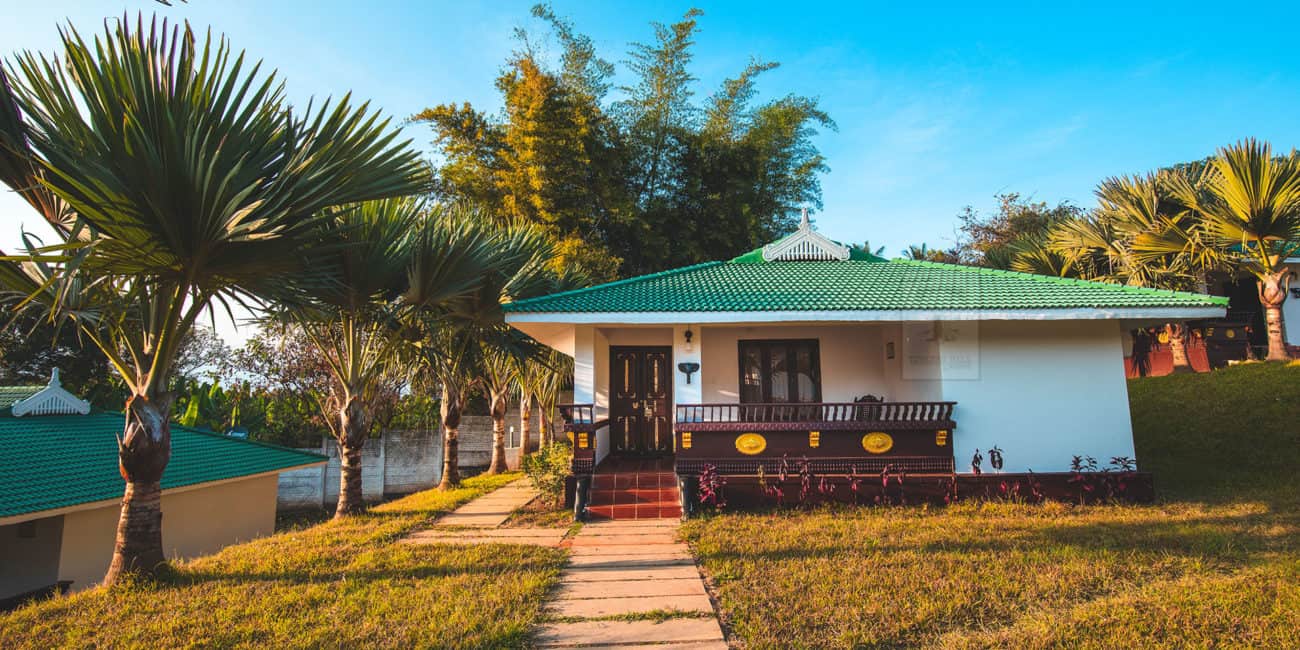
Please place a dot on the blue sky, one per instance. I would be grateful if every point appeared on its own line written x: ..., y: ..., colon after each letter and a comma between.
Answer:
x: 939, y: 105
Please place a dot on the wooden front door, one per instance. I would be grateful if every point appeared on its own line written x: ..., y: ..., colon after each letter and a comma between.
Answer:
x: 641, y: 383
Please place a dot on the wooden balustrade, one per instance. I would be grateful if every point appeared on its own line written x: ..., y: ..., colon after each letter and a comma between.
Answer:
x: 815, y: 415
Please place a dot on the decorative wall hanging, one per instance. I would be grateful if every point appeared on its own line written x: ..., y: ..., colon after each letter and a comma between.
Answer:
x: 750, y: 444
x: 877, y: 442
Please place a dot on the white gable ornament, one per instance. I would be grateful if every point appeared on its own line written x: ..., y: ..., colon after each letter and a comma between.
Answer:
x: 54, y: 399
x: 805, y: 244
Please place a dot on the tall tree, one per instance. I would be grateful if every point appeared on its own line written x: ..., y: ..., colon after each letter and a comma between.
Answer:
x: 176, y: 177
x: 992, y: 240
x: 646, y: 182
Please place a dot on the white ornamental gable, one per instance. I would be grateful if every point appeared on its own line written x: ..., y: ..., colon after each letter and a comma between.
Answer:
x: 54, y: 399
x: 804, y: 245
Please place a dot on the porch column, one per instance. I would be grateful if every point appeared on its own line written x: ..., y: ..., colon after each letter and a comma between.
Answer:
x: 683, y: 352
x: 584, y: 364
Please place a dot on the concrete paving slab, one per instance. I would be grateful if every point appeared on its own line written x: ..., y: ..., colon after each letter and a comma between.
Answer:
x: 631, y: 588
x: 614, y: 633
x: 604, y: 574
x: 688, y: 645
x: 594, y: 607
x: 625, y: 561
x: 624, y: 540
x: 491, y: 509
x: 658, y: 550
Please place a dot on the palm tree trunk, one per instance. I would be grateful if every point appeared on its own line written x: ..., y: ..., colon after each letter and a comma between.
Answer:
x: 543, y: 425
x: 142, y: 456
x: 1178, y: 347
x: 499, y: 405
x: 525, y: 425
x: 352, y: 437
x: 1272, y: 294
x: 450, y: 409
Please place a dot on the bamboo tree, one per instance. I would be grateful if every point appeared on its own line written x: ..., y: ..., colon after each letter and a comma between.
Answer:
x: 176, y: 178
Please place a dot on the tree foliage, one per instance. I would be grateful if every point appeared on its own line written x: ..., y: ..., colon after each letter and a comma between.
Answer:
x: 646, y: 180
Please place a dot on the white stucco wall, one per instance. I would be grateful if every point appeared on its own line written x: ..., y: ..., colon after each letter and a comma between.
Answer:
x: 1045, y: 392
x: 852, y: 364
x: 195, y: 522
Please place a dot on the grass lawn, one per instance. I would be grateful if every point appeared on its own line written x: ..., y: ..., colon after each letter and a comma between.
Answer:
x: 1215, y: 562
x: 337, y: 584
x: 538, y: 513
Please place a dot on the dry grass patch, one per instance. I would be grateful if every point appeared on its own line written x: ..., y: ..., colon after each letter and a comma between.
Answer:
x: 1216, y: 562
x: 338, y: 584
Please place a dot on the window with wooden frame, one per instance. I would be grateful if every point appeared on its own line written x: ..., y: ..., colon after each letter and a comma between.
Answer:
x: 780, y: 371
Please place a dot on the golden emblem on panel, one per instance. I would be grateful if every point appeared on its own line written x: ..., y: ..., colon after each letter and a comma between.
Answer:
x: 750, y: 444
x: 814, y: 439
x: 686, y: 440
x: 877, y: 442
x: 941, y: 437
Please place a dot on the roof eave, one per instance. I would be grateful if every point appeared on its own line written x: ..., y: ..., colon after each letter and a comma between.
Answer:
x: 840, y: 316
x: 91, y: 505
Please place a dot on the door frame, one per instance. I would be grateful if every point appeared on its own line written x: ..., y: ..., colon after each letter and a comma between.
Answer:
x: 670, y: 401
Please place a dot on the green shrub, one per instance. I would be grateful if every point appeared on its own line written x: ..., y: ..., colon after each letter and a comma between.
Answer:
x: 548, y: 469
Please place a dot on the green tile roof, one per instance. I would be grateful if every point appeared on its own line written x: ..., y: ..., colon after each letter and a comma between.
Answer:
x: 11, y: 394
x: 746, y: 284
x: 55, y: 461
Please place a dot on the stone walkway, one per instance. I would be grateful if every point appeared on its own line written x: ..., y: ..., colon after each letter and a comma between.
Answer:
x: 621, y: 568
x: 616, y: 569
x: 479, y: 521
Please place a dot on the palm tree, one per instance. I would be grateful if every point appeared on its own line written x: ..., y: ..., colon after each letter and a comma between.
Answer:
x: 1248, y: 219
x: 353, y: 314
x: 1142, y: 233
x: 559, y: 368
x: 441, y: 352
x: 176, y: 178
x: 540, y: 378
x: 499, y: 362
x: 447, y: 342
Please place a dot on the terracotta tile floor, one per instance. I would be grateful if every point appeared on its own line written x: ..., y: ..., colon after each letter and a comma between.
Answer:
x: 629, y: 488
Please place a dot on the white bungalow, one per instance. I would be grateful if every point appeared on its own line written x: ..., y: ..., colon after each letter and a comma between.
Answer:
x: 805, y: 348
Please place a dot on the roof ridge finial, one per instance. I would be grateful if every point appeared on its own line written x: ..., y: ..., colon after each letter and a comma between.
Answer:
x: 803, y: 220
x: 54, y: 377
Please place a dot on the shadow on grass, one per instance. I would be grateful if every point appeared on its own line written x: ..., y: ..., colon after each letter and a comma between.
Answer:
x: 1232, y: 538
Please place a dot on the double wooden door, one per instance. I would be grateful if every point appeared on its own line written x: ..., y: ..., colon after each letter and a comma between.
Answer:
x: 641, y: 379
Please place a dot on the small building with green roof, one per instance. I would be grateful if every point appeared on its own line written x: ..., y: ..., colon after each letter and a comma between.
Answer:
x: 61, y: 490
x: 808, y: 349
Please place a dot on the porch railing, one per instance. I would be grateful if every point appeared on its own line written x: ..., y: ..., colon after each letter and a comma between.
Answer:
x: 580, y: 417
x: 831, y: 416
x: 581, y: 424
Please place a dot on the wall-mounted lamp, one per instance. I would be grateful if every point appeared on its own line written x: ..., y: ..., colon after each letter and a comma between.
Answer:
x: 689, y: 335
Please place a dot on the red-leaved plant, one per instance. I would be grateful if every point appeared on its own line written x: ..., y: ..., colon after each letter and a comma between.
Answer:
x: 711, y: 486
